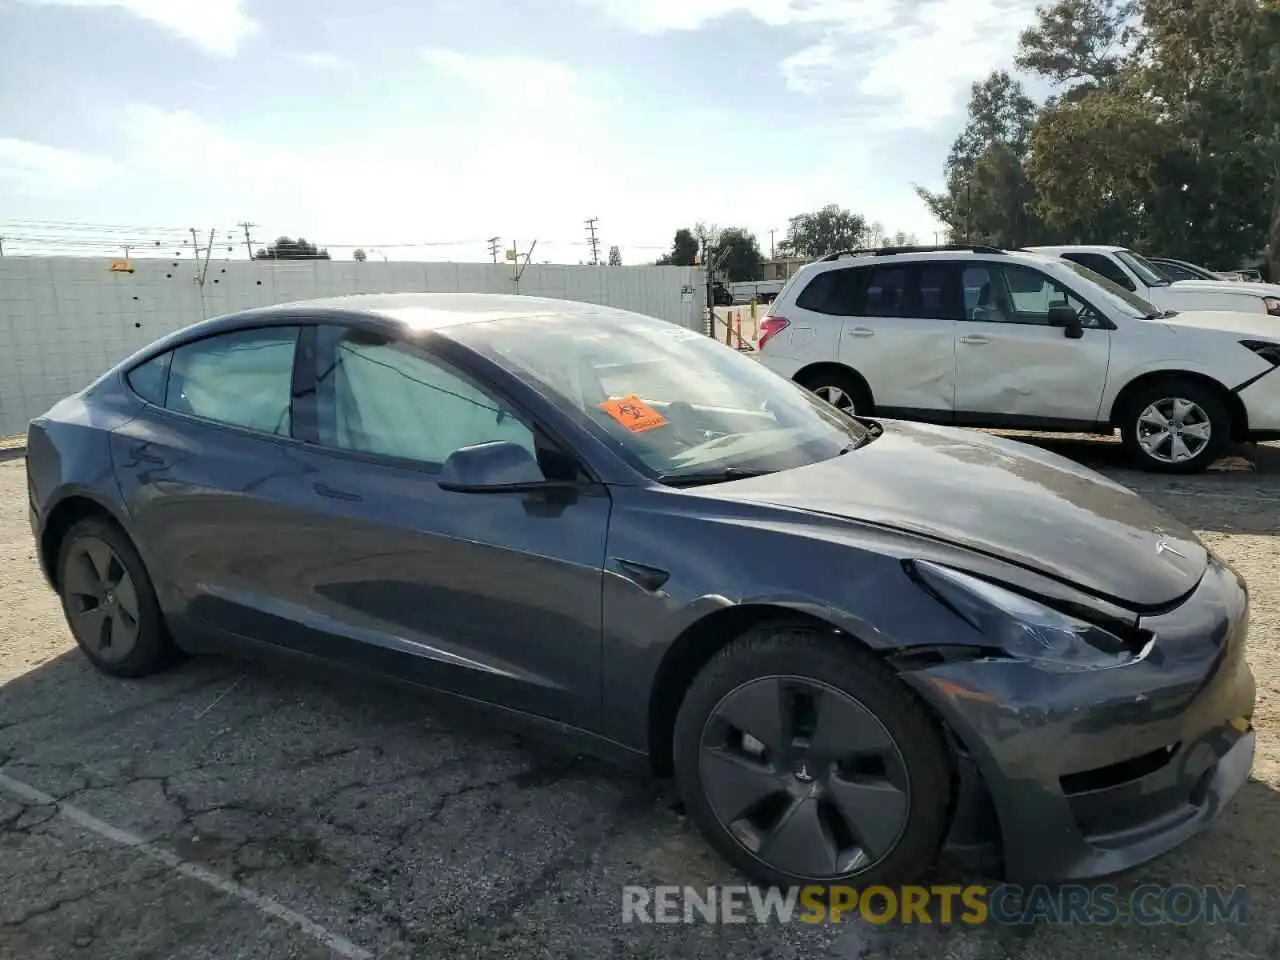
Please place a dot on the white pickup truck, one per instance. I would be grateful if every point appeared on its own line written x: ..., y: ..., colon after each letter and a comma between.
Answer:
x: 1134, y: 272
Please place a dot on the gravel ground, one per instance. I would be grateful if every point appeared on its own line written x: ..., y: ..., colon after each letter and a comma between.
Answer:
x: 249, y: 811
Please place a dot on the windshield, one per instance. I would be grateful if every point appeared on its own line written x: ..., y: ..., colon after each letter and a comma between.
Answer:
x: 1147, y: 271
x: 674, y: 402
x: 1127, y: 302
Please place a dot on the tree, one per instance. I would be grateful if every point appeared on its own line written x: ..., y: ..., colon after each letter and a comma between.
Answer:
x: 736, y: 253
x: 360, y: 255
x: 615, y: 257
x: 1078, y: 45
x: 825, y: 231
x: 988, y: 197
x: 684, y: 250
x: 286, y: 249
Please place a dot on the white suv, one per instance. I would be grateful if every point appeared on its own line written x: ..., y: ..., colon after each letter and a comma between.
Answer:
x: 1139, y: 275
x: 982, y: 337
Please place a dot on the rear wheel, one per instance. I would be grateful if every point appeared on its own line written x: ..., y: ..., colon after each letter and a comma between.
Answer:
x: 805, y: 761
x: 1175, y: 426
x: 840, y: 388
x: 110, y: 603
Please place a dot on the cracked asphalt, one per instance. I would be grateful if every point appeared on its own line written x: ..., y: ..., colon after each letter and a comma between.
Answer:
x: 255, y: 811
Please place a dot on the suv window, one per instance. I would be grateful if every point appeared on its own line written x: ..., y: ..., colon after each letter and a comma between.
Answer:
x: 241, y: 379
x: 1103, y: 266
x: 833, y: 292
x: 1032, y: 293
x: 387, y: 397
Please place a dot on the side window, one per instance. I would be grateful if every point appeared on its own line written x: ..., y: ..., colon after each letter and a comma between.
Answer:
x: 888, y: 293
x: 381, y: 396
x: 1177, y: 272
x: 833, y: 292
x: 984, y: 294
x: 1032, y: 293
x: 148, y: 380
x: 242, y: 379
x: 1104, y: 266
x: 940, y: 296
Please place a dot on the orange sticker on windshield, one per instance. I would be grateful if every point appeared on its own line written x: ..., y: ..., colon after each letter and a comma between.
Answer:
x: 634, y: 414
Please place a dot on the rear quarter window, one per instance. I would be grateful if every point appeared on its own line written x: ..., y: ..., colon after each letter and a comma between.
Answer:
x: 150, y: 380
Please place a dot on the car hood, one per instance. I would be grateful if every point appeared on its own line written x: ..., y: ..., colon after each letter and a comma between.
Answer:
x: 1242, y: 324
x: 1006, y: 499
x: 1239, y: 286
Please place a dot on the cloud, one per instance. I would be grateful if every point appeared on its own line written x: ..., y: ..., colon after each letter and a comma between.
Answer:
x: 320, y: 60
x: 906, y: 62
x: 37, y: 166
x: 520, y: 83
x: 217, y: 26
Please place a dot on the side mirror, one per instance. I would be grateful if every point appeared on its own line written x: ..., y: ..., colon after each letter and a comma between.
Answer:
x: 1061, y: 315
x: 501, y: 466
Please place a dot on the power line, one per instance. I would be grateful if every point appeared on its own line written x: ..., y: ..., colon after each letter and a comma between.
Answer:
x: 595, y: 244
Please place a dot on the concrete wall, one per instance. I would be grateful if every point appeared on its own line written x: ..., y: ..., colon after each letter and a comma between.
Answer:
x: 63, y: 320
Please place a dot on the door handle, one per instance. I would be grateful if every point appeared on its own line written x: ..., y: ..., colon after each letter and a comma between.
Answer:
x: 327, y: 491
x: 862, y: 332
x: 977, y: 341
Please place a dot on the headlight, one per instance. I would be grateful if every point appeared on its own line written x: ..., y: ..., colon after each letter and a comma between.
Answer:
x: 1273, y: 305
x: 1022, y: 627
x: 1266, y: 349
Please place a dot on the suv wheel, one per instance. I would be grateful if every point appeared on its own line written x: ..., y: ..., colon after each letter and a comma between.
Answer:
x: 1175, y: 426
x: 805, y: 761
x: 839, y: 388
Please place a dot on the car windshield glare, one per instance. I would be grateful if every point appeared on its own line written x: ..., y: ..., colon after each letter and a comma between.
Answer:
x: 1126, y: 301
x: 1149, y: 273
x: 674, y: 403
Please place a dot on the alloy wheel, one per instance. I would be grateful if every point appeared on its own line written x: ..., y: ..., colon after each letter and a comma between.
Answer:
x: 1174, y: 430
x: 838, y: 398
x: 101, y: 600
x: 804, y: 777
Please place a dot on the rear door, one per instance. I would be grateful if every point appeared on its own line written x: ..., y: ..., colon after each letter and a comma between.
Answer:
x: 1011, y: 365
x: 899, y: 333
x: 210, y: 475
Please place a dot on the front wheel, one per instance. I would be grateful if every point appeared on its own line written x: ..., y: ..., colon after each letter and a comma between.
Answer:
x: 805, y: 761
x: 1175, y: 426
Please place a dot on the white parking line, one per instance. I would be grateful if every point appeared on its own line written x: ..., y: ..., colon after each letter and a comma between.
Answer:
x: 263, y: 903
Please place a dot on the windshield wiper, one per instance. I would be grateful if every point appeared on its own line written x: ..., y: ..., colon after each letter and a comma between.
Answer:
x: 702, y: 477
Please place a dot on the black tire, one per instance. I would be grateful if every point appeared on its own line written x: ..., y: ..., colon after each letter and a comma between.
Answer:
x: 917, y: 778
x: 1207, y: 407
x: 124, y: 583
x: 833, y: 384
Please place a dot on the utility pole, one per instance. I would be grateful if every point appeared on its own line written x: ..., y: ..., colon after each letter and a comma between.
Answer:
x: 1, y: 246
x: 248, y: 241
x: 493, y: 247
x: 772, y: 231
x: 595, y: 244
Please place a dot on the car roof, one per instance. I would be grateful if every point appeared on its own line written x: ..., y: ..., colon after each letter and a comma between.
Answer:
x: 1020, y: 255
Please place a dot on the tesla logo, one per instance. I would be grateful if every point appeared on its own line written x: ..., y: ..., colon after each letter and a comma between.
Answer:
x: 1162, y: 546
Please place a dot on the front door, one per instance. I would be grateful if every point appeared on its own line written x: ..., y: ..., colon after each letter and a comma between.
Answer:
x: 1011, y: 365
x: 495, y: 596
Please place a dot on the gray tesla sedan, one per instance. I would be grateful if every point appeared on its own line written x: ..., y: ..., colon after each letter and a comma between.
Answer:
x: 855, y: 643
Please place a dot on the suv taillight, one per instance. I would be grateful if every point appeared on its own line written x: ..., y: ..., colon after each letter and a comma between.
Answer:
x: 770, y: 327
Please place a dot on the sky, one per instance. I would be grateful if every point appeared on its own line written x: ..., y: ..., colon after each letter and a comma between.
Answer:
x: 417, y: 129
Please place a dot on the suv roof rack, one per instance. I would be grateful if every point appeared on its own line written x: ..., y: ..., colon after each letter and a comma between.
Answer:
x: 891, y: 251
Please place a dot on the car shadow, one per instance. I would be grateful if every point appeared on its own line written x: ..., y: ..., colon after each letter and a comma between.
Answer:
x: 289, y: 778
